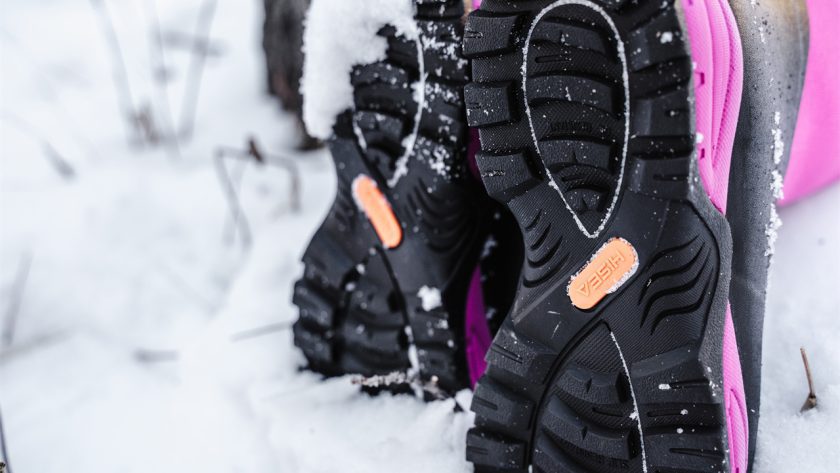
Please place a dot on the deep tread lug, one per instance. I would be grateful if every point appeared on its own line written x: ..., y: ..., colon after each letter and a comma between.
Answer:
x: 632, y: 379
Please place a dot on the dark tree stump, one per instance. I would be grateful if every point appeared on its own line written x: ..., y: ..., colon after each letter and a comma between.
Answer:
x: 283, y: 46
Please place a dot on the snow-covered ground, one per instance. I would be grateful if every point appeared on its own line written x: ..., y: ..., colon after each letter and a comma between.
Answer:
x: 147, y: 335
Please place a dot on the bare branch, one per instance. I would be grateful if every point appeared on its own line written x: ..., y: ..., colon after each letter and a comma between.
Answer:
x: 145, y: 355
x: 185, y: 42
x: 33, y: 343
x: 5, y: 463
x: 289, y: 164
x: 254, y: 152
x: 159, y: 77
x: 46, y: 86
x: 118, y: 67
x: 196, y: 70
x: 238, y: 215
x: 145, y: 122
x: 54, y: 158
x: 260, y: 331
x: 61, y: 166
x: 15, y: 298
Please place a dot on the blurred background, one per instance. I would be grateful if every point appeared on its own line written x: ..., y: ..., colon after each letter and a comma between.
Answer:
x: 156, y: 192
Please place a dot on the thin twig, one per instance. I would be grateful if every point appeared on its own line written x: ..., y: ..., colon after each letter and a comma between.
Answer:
x: 260, y: 331
x: 5, y: 463
x: 254, y: 153
x: 286, y: 163
x: 238, y: 215
x: 145, y: 355
x: 811, y: 401
x: 33, y: 343
x: 60, y: 164
x: 145, y: 122
x: 196, y: 70
x: 119, y: 70
x: 159, y: 77
x: 183, y: 41
x: 15, y: 298
x: 186, y: 289
x: 47, y: 87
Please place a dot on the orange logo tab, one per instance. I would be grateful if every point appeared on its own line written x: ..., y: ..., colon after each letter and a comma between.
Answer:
x: 378, y: 210
x: 609, y: 268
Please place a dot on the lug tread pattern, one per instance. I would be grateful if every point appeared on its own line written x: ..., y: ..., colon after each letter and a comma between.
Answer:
x: 556, y: 396
x: 357, y: 299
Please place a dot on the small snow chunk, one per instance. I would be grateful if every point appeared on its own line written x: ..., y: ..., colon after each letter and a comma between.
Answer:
x: 666, y: 37
x: 772, y: 230
x: 777, y: 184
x: 413, y: 356
x: 429, y: 298
x: 489, y: 244
x: 778, y: 142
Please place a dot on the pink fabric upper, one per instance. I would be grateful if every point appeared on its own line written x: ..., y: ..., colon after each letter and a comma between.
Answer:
x: 734, y: 400
x: 815, y: 153
x: 477, y: 338
x: 718, y: 81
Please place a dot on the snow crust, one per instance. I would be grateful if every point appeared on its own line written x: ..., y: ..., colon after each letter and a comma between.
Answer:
x: 340, y: 34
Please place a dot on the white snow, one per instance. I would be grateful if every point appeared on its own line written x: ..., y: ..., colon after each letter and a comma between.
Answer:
x: 771, y: 231
x: 429, y: 298
x: 803, y: 312
x: 150, y: 338
x: 778, y: 141
x: 777, y: 184
x: 340, y: 34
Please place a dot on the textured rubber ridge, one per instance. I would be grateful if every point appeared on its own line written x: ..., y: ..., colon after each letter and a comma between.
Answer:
x: 586, y: 126
x: 368, y: 309
x: 774, y: 72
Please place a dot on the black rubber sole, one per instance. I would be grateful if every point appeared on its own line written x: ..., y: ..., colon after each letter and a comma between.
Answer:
x: 361, y: 309
x: 586, y: 125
